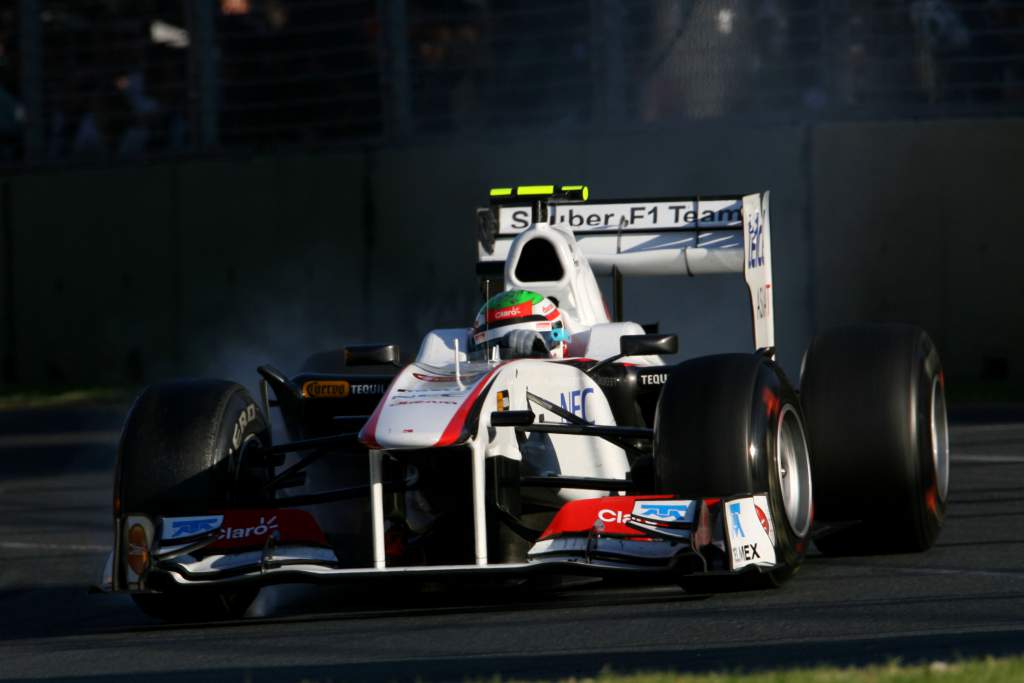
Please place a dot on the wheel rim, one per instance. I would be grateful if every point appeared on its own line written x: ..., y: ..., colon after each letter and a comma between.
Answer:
x: 794, y: 470
x: 940, y: 438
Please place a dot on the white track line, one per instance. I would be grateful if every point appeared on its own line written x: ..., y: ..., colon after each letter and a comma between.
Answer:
x: 17, y: 545
x: 958, y: 429
x: 102, y: 438
x: 986, y: 457
x: 956, y: 572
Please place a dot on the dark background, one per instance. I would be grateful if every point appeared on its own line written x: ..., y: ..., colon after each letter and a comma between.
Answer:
x: 195, y: 187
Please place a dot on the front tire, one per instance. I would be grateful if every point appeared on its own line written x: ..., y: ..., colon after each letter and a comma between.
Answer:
x: 181, y: 454
x: 731, y: 425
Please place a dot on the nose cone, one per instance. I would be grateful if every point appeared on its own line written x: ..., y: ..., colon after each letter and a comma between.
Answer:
x: 427, y: 407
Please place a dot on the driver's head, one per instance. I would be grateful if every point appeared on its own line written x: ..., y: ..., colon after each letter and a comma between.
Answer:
x: 521, y: 324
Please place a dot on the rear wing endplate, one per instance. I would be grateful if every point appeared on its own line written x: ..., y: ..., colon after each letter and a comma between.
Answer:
x: 686, y: 236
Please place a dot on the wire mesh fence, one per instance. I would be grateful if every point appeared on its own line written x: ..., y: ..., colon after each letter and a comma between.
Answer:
x: 119, y: 79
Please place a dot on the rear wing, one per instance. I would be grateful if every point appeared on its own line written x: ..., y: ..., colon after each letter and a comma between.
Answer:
x: 685, y: 236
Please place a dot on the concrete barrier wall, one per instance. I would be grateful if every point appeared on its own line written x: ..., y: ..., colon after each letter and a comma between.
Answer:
x: 212, y: 267
x: 917, y: 222
x: 92, y: 282
x: 133, y: 275
x: 273, y: 258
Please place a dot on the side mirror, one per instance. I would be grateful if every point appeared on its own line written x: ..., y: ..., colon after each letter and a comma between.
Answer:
x: 512, y: 418
x: 648, y: 344
x: 372, y: 354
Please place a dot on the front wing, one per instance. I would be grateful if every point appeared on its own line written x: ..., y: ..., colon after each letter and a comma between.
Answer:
x: 600, y: 536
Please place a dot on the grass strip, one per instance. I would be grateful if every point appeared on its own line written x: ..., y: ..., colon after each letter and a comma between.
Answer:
x: 989, y: 670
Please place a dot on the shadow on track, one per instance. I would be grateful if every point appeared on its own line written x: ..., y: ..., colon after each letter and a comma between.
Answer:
x: 73, y: 610
x: 763, y: 657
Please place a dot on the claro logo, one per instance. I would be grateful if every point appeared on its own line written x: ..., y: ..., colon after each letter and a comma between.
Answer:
x: 613, y: 516
x: 337, y: 388
x: 264, y: 526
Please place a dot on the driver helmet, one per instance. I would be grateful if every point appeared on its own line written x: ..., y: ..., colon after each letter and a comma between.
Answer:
x: 507, y: 319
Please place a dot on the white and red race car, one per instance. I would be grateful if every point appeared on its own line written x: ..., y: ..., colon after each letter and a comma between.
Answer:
x: 604, y: 461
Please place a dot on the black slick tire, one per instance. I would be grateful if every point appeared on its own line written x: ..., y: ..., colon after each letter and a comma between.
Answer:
x: 876, y: 420
x: 718, y: 428
x: 179, y: 455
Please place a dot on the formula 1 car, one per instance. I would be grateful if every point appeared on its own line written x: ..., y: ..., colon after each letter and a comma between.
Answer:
x: 549, y: 437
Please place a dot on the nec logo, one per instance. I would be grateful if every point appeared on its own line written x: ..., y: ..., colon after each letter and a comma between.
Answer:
x: 754, y: 229
x: 575, y: 402
x: 183, y: 527
x: 669, y: 511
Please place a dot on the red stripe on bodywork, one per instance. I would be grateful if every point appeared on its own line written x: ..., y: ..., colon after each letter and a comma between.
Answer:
x: 580, y: 516
x: 368, y: 434
x: 454, y: 429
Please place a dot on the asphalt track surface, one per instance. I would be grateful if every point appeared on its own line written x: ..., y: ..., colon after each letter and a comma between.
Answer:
x: 963, y: 598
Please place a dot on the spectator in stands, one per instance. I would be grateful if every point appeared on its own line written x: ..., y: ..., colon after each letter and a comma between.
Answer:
x: 445, y: 59
x: 939, y: 32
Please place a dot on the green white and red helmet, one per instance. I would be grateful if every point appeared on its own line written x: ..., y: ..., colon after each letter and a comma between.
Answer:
x: 508, y: 319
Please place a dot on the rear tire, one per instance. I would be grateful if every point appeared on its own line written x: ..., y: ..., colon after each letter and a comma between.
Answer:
x: 179, y: 455
x: 876, y: 419
x: 731, y: 425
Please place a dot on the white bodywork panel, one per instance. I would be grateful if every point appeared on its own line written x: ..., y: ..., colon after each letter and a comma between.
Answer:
x: 438, y: 346
x: 428, y: 406
x: 757, y: 268
x: 579, y: 297
x: 674, y: 237
x: 562, y: 454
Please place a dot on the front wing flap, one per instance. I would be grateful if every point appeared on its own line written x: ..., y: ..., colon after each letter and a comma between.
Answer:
x: 687, y: 536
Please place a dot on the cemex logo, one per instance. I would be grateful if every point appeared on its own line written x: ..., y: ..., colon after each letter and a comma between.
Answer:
x: 734, y: 515
x: 745, y: 552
